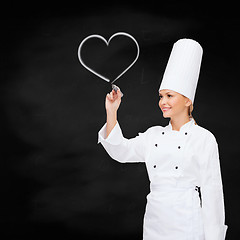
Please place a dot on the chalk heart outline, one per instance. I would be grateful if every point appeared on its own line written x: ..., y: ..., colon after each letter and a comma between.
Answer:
x: 107, y: 43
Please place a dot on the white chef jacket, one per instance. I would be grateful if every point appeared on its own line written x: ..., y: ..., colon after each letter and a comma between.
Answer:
x: 176, y: 162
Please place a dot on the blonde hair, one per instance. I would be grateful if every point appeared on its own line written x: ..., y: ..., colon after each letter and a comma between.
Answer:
x: 190, y: 109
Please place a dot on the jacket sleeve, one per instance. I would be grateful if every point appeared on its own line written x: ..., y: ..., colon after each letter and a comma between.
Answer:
x: 212, y: 193
x: 121, y: 149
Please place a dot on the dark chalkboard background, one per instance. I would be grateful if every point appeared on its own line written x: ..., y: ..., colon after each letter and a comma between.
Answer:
x: 56, y: 180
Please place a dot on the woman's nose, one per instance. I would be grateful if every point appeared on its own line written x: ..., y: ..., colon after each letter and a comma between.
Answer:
x: 163, y: 101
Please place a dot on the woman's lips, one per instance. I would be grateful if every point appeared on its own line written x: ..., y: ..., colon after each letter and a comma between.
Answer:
x: 165, y: 109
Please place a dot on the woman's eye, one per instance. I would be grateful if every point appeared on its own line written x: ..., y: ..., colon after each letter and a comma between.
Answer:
x: 160, y: 97
x: 169, y: 95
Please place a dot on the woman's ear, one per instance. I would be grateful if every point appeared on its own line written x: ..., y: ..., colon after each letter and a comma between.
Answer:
x: 188, y: 102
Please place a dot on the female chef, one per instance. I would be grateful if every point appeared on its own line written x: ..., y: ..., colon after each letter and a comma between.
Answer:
x: 182, y: 158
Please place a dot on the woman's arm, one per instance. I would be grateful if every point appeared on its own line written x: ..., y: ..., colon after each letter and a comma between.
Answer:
x: 112, y: 139
x: 112, y: 104
x: 212, y: 193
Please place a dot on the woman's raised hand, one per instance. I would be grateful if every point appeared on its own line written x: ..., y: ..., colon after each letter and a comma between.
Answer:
x: 113, y: 100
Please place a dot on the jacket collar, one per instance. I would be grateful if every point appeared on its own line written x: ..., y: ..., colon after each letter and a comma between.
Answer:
x: 184, y: 127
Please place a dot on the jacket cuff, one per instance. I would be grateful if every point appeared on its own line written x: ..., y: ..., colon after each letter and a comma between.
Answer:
x: 215, y: 232
x: 114, y: 138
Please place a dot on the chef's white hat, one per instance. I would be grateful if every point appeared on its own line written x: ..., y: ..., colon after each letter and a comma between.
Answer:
x: 183, y: 67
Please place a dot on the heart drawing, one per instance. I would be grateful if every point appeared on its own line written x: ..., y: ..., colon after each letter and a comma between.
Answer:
x: 107, y: 44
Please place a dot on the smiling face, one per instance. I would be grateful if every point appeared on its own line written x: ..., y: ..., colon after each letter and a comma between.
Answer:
x: 173, y: 104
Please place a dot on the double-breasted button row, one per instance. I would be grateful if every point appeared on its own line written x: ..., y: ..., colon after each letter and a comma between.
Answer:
x: 164, y: 133
x: 179, y: 147
x: 157, y: 145
x: 154, y: 166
